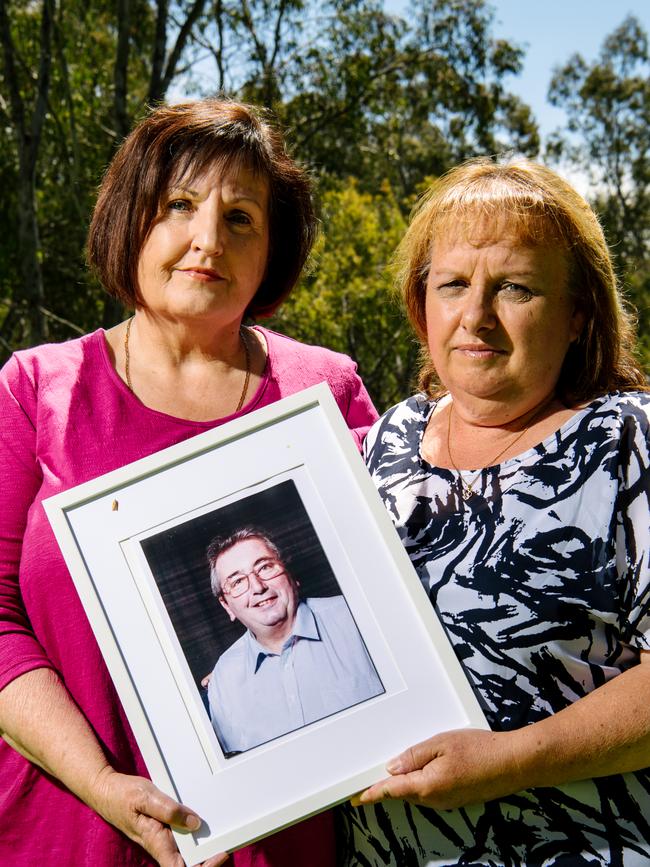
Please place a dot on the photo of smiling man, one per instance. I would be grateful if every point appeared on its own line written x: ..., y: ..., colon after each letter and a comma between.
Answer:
x: 299, y: 661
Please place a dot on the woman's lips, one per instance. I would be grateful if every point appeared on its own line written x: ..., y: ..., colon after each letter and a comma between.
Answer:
x: 204, y: 275
x: 479, y: 351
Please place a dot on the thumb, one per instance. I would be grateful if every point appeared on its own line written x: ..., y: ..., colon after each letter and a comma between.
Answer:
x: 413, y: 759
x: 160, y: 806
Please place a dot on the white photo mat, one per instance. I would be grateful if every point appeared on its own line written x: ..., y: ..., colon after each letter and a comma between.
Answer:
x: 100, y: 526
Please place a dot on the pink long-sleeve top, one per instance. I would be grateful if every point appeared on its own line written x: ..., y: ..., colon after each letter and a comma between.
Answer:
x: 66, y: 417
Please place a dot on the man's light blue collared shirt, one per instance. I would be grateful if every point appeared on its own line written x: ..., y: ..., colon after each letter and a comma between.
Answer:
x: 324, y: 667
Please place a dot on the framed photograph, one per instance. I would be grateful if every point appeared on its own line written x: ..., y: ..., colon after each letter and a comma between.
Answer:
x: 266, y: 632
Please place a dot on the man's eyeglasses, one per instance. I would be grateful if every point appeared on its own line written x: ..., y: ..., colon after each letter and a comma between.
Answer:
x: 238, y: 583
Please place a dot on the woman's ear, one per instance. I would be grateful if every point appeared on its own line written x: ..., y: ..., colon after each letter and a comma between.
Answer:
x: 576, y: 324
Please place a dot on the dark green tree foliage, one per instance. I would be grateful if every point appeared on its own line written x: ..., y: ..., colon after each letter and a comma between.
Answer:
x: 376, y: 96
x: 27, y: 88
x: 103, y: 67
x: 77, y: 139
x: 608, y: 137
x: 345, y: 301
x: 373, y: 102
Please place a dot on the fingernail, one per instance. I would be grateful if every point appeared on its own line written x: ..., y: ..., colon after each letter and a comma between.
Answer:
x: 394, y: 766
x: 193, y: 823
x: 355, y: 801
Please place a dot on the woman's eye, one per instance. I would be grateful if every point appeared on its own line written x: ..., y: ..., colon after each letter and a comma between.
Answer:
x: 452, y: 287
x: 178, y: 205
x: 239, y: 218
x: 516, y: 291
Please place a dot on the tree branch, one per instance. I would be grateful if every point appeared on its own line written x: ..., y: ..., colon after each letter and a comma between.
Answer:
x: 354, y: 100
x: 11, y: 76
x: 260, y: 48
x: 179, y: 46
x: 120, y: 69
x: 158, y: 51
x: 276, y: 33
x: 43, y: 82
x: 218, y: 54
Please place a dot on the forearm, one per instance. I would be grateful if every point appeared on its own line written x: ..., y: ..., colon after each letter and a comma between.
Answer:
x: 606, y: 732
x: 40, y: 720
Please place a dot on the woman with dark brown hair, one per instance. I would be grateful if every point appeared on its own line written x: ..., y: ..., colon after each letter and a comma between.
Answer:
x: 202, y: 222
x: 519, y: 482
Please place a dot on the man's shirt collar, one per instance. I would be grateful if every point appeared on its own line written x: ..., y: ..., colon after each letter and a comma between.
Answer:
x: 304, y: 626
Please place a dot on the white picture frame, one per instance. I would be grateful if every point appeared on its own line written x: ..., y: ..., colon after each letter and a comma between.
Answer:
x: 113, y: 531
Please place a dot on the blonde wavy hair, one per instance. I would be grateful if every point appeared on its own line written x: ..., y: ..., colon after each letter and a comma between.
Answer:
x: 532, y: 203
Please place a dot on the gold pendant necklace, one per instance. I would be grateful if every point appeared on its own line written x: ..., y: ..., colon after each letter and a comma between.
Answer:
x: 244, y: 340
x: 467, y: 488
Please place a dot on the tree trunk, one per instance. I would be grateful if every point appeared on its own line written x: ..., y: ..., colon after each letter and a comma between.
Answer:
x: 120, y: 70
x: 156, y: 92
x: 28, y: 299
x: 32, y: 295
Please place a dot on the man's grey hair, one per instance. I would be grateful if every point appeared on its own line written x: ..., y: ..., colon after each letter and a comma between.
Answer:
x: 220, y: 544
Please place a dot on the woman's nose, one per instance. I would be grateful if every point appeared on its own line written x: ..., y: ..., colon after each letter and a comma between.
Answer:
x: 208, y: 233
x: 478, y: 311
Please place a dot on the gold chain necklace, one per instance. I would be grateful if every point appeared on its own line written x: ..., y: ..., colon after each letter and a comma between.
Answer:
x: 467, y: 488
x: 244, y: 340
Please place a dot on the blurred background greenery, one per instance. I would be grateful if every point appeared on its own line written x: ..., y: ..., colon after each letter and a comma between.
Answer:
x: 377, y: 102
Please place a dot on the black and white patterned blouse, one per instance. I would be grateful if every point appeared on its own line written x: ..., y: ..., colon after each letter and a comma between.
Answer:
x: 542, y: 582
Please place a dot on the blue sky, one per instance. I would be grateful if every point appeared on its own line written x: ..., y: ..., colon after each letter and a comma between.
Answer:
x: 553, y: 30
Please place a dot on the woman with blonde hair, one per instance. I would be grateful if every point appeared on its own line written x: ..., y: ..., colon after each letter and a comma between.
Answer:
x: 518, y: 481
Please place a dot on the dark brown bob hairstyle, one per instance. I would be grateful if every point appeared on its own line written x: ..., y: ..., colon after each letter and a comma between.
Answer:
x: 182, y: 141
x: 520, y: 198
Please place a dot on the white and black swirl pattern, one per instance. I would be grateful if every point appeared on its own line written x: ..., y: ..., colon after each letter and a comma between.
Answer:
x: 542, y: 582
